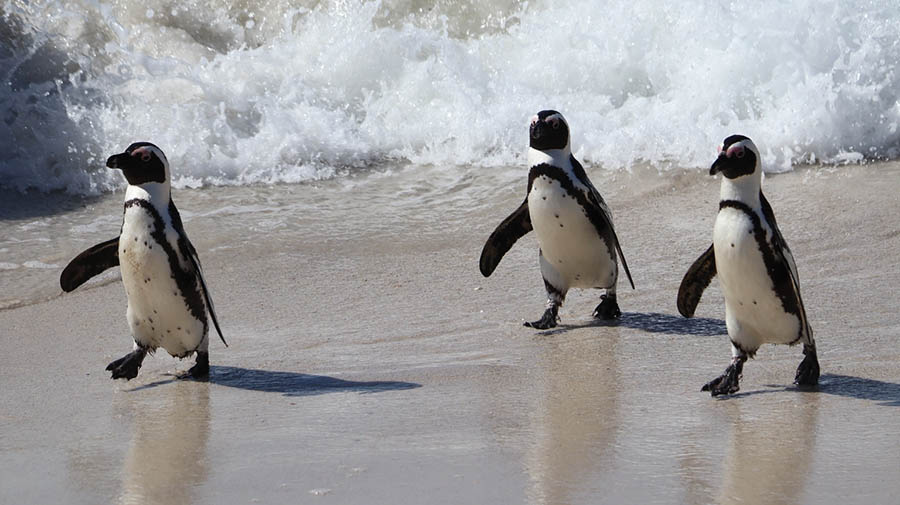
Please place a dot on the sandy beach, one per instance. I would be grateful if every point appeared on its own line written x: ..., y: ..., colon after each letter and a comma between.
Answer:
x: 371, y: 363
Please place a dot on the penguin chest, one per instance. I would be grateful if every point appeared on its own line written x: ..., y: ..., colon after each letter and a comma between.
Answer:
x: 570, y: 244
x: 754, y: 313
x: 157, y: 312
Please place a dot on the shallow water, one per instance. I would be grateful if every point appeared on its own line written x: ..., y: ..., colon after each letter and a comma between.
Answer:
x: 371, y: 363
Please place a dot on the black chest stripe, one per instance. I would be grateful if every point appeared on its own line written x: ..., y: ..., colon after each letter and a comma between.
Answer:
x: 776, y: 266
x: 186, y: 281
x: 592, y: 211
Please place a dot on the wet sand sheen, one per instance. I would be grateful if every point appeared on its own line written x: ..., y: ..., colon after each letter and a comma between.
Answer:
x: 371, y: 363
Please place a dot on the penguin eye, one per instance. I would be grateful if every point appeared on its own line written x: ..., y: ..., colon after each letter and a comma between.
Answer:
x: 739, y: 153
x: 145, y: 156
x: 555, y: 123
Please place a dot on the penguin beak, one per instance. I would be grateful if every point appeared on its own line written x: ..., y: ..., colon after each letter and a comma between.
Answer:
x: 119, y: 161
x: 718, y: 165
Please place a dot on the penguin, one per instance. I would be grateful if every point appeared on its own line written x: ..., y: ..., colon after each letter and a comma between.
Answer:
x: 574, y: 227
x: 168, y: 300
x: 756, y: 270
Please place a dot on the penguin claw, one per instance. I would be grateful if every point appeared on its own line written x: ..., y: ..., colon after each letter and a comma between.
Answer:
x: 608, y: 308
x: 547, y: 321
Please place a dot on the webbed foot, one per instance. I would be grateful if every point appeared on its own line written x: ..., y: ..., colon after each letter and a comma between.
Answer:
x: 608, y: 308
x: 808, y: 371
x: 200, y: 370
x: 127, y: 366
x: 729, y: 381
x: 548, y: 320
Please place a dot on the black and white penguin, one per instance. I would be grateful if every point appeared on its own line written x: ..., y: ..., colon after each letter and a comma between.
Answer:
x: 574, y: 227
x: 168, y: 300
x: 756, y: 271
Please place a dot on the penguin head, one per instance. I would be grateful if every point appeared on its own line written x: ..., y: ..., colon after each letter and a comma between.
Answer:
x: 738, y: 156
x: 141, y: 163
x: 549, y: 130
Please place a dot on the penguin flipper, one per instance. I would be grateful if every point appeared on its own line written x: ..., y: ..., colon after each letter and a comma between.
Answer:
x: 604, y: 213
x: 188, y: 250
x: 502, y: 239
x: 695, y: 282
x: 209, y: 303
x: 89, y: 263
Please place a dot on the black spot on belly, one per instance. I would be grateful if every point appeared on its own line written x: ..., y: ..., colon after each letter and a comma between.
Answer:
x: 560, y: 225
x: 179, y: 328
x: 135, y: 239
x: 732, y: 245
x: 145, y: 242
x: 557, y: 216
x: 188, y: 332
x: 155, y: 312
x: 150, y: 319
x: 754, y: 302
x: 543, y: 198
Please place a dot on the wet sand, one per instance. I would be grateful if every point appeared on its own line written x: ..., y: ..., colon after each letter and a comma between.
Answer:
x: 371, y: 363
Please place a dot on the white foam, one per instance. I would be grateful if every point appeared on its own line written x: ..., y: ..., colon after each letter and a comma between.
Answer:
x: 288, y: 94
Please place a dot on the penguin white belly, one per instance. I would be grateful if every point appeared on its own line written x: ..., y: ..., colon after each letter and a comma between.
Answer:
x: 754, y: 313
x: 568, y: 239
x: 157, y: 313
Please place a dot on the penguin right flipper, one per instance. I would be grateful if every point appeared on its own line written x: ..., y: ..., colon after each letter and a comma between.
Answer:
x: 695, y: 282
x: 507, y: 233
x: 89, y: 263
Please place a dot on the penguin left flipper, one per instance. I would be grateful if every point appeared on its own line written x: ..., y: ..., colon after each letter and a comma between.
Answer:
x: 187, y: 249
x: 514, y: 227
x: 695, y: 282
x: 602, y: 211
x: 89, y: 263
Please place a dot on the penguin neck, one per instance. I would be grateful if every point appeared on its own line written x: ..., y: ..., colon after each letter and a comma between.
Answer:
x: 553, y: 157
x: 157, y: 193
x: 743, y: 189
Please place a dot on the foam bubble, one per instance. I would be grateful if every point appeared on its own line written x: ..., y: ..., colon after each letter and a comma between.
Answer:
x: 246, y: 94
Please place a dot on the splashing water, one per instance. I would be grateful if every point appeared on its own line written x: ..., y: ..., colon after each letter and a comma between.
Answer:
x: 257, y: 92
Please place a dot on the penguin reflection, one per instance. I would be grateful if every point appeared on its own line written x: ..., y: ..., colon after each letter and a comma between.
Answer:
x: 575, y: 422
x: 167, y: 457
x: 771, y: 449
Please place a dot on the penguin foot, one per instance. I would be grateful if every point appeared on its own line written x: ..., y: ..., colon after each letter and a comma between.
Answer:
x: 608, y: 308
x: 127, y: 366
x: 200, y: 370
x: 547, y: 321
x: 808, y: 371
x: 728, y: 382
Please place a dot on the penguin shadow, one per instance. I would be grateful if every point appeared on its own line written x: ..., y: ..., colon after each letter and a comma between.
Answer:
x: 886, y: 394
x: 286, y: 383
x: 653, y: 322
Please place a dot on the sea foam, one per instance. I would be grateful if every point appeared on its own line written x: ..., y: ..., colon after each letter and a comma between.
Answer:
x: 236, y: 93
